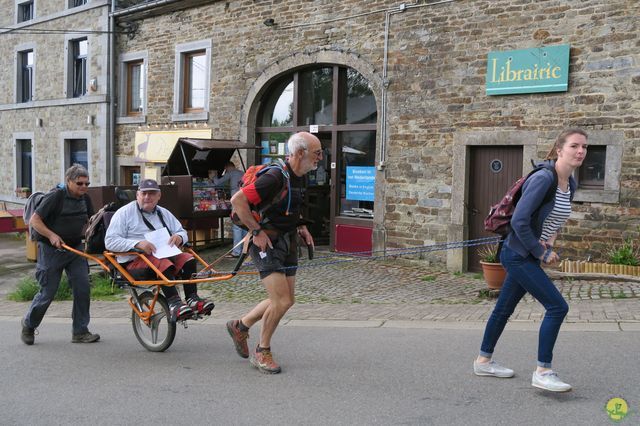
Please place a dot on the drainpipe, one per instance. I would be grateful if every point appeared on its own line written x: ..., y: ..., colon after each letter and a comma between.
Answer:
x: 380, y: 231
x: 385, y: 86
x: 385, y: 79
x: 111, y: 154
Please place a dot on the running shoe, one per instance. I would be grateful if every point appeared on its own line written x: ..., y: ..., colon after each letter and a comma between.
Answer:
x: 200, y: 306
x: 492, y: 369
x: 550, y: 381
x: 239, y: 338
x: 263, y: 361
x: 180, y: 311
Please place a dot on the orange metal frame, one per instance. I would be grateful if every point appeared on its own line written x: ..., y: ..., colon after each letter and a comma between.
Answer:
x: 109, y: 258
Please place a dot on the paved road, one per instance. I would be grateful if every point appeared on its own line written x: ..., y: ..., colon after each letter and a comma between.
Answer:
x: 331, y: 375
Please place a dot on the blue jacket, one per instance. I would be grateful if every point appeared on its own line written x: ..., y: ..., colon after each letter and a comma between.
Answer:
x: 530, y: 212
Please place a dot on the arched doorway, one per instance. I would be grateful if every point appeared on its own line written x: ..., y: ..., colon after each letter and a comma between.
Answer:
x: 337, y: 104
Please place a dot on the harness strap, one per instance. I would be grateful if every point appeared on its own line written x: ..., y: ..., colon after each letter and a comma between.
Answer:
x: 149, y: 225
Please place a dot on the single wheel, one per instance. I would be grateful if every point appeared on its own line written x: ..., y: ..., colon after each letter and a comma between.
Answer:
x: 159, y: 334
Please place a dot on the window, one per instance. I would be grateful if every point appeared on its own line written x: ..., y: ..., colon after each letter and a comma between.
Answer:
x: 24, y: 174
x: 339, y: 101
x: 25, y: 11
x: 357, y: 173
x: 316, y: 86
x: 599, y: 175
x: 25, y: 76
x: 76, y: 3
x: 591, y: 173
x: 76, y: 152
x: 194, y: 81
x: 278, y: 106
x: 132, y: 87
x: 79, y: 50
x: 135, y: 88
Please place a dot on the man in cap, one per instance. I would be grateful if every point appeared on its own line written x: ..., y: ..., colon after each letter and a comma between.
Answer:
x: 127, y: 231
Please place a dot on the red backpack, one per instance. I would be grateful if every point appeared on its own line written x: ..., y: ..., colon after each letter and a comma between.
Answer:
x: 499, y: 219
x: 250, y: 176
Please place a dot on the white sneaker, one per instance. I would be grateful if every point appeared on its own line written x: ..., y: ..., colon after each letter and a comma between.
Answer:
x: 549, y: 381
x: 491, y: 368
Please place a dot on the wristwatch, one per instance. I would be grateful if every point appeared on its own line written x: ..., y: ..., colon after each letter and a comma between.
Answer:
x: 255, y: 232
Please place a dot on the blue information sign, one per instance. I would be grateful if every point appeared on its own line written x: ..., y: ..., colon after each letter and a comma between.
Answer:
x: 361, y: 182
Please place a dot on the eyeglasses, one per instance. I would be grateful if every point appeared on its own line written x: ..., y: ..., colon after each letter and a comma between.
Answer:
x: 83, y: 183
x: 317, y: 153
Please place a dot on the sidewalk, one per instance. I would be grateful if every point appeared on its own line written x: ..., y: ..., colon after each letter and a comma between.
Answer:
x: 368, y: 293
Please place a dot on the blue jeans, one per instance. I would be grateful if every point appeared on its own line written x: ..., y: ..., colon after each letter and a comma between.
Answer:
x: 238, y: 235
x: 525, y: 275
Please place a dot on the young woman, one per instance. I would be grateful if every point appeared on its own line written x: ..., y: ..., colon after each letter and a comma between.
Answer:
x: 535, y: 225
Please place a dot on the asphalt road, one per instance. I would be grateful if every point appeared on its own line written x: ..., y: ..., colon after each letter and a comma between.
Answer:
x: 331, y: 375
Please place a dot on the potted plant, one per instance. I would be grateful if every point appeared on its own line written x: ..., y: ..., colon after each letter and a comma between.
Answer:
x: 492, y: 270
x: 23, y: 192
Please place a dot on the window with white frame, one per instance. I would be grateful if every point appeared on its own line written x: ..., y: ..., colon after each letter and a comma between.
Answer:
x: 24, y: 172
x: 25, y: 76
x: 192, y: 82
x: 78, y: 54
x: 76, y: 3
x: 25, y: 11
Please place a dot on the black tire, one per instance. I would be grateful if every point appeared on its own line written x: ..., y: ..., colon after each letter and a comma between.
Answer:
x: 159, y: 334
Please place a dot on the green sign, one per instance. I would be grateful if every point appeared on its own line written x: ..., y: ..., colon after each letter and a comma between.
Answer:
x: 541, y: 69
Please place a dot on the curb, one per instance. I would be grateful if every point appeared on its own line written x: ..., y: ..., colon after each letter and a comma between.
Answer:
x: 533, y: 326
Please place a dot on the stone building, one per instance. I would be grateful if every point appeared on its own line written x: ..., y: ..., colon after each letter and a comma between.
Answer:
x: 53, y: 92
x: 400, y: 94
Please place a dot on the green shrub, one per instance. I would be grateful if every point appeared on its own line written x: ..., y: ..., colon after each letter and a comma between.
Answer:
x: 28, y: 287
x: 625, y: 254
x: 101, y: 289
x: 489, y: 253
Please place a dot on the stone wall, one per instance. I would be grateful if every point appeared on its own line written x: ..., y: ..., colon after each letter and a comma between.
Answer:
x: 52, y: 117
x: 436, y: 71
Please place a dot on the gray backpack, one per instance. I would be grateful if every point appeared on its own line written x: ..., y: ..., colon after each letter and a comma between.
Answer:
x: 32, y: 204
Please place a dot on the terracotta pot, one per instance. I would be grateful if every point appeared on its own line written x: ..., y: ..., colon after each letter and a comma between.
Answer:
x: 494, y: 274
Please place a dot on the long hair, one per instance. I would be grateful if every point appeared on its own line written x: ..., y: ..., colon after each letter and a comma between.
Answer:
x: 561, y: 139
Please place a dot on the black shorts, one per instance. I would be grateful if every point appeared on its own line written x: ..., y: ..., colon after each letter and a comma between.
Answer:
x: 283, y: 257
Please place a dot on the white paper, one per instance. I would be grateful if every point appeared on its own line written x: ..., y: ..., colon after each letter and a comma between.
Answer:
x: 160, y: 239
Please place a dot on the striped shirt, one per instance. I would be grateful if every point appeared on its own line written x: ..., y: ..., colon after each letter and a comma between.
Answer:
x: 558, y: 216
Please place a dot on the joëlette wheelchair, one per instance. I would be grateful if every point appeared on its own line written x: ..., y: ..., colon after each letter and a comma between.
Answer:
x: 150, y: 316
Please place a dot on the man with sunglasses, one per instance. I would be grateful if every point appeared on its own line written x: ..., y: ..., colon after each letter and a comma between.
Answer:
x: 59, y: 219
x: 273, y: 247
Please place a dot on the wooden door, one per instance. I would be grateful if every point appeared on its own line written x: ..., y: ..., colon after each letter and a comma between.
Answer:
x: 492, y: 172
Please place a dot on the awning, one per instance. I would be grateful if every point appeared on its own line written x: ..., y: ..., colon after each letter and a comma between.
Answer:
x: 195, y: 157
